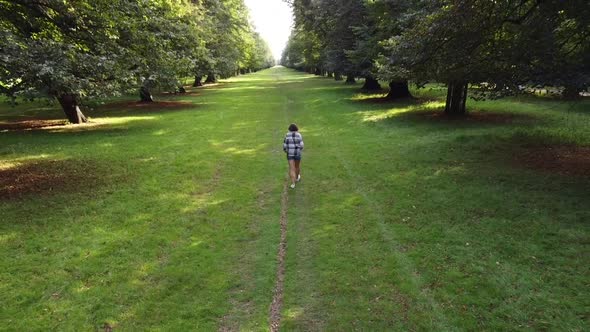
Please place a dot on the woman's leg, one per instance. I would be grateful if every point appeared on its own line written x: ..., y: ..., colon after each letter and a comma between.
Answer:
x: 292, y: 171
x: 297, y: 168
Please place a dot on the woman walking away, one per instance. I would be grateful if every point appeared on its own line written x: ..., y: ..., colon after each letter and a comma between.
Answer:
x: 292, y: 145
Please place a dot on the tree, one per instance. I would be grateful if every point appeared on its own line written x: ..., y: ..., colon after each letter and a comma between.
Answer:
x: 302, y: 51
x: 340, y: 18
x: 49, y: 47
x: 343, y: 36
x: 388, y: 18
x: 229, y: 38
x: 261, y: 56
x: 69, y: 50
x: 501, y: 46
x: 316, y: 23
x: 163, y: 40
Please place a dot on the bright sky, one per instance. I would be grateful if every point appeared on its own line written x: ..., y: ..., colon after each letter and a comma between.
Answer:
x: 273, y: 20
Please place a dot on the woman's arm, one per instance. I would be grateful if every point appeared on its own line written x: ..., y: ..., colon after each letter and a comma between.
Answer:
x: 300, y: 142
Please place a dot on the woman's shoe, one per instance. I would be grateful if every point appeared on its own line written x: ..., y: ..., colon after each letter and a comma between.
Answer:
x: 292, y: 185
x: 298, y: 177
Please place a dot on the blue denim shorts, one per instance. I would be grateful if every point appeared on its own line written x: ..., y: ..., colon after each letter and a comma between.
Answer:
x: 293, y: 157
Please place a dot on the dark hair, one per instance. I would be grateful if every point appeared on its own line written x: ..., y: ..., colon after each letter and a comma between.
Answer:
x: 293, y: 127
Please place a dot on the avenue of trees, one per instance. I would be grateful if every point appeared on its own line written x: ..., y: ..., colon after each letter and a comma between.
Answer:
x: 497, y: 48
x: 70, y: 50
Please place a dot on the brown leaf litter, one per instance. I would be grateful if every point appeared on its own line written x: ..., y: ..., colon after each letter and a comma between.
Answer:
x: 572, y: 160
x: 44, y: 177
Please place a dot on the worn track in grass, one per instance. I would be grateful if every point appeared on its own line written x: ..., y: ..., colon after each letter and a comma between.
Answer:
x: 277, y: 300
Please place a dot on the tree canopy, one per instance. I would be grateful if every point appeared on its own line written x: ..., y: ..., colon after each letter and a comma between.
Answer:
x: 70, y: 50
x: 501, y: 47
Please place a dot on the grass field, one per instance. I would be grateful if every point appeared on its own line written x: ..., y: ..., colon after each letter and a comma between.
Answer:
x: 168, y: 218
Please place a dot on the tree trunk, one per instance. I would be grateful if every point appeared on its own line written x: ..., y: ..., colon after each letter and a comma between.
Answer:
x: 571, y: 92
x: 318, y: 71
x: 456, y: 98
x: 337, y: 76
x: 69, y: 104
x: 330, y: 74
x: 198, y: 82
x: 371, y: 84
x: 211, y: 78
x: 398, y: 90
x: 181, y: 89
x: 350, y: 79
x: 145, y: 96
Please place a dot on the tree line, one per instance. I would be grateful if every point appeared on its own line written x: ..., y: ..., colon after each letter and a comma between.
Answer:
x: 77, y: 49
x: 496, y: 48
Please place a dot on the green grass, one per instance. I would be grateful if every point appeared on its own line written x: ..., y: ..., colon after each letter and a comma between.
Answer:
x: 403, y: 220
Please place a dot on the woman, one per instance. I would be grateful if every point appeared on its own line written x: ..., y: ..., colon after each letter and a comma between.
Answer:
x: 292, y: 145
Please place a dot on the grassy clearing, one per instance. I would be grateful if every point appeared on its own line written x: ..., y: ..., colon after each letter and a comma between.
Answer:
x: 404, y: 220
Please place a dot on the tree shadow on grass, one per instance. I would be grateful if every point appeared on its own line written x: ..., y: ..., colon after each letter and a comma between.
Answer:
x: 258, y: 85
x: 125, y: 108
x: 102, y: 124
x: 263, y: 81
x: 543, y: 164
x: 430, y: 113
x: 107, y: 117
x: 380, y: 99
x: 474, y: 117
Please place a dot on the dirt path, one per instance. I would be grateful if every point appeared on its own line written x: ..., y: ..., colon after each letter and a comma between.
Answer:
x: 277, y: 300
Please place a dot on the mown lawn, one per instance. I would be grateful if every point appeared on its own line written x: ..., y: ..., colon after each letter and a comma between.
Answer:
x: 168, y: 219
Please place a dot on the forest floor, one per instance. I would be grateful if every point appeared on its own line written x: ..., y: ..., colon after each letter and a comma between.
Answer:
x: 176, y: 216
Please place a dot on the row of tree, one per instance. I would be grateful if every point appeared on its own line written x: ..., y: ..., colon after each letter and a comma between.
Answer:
x: 70, y: 50
x: 497, y: 47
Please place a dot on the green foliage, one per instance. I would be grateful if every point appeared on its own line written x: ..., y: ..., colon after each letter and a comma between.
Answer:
x: 346, y: 35
x: 343, y: 39
x: 505, y: 44
x: 261, y: 55
x: 163, y: 41
x: 321, y: 35
x: 95, y: 48
x: 53, y: 48
x: 100, y: 48
x: 232, y: 43
x: 303, y: 51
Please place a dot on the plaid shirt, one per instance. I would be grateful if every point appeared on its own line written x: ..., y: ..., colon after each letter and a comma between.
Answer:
x: 293, y: 144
